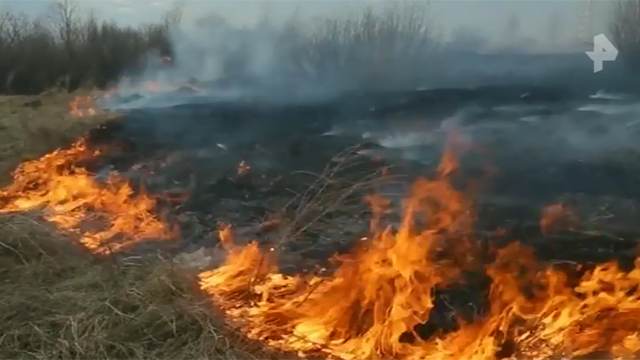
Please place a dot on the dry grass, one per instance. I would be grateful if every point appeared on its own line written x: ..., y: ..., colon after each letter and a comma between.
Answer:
x: 335, y: 194
x: 33, y: 125
x: 56, y: 302
x: 59, y: 302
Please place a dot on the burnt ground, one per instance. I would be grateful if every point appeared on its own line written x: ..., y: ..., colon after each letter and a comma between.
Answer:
x: 311, y: 164
x: 525, y: 147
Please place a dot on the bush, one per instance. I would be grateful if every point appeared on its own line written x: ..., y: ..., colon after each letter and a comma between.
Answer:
x: 388, y: 48
x: 72, y: 51
x: 378, y: 49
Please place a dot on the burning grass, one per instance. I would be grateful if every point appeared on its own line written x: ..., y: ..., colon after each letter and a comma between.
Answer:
x: 82, y: 106
x: 337, y: 191
x: 33, y: 125
x: 380, y: 295
x: 60, y: 303
x: 374, y: 303
x: 71, y: 196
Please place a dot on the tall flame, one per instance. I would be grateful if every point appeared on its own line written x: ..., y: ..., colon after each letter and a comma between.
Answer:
x: 107, y: 216
x: 377, y: 295
x: 370, y: 306
x: 536, y: 313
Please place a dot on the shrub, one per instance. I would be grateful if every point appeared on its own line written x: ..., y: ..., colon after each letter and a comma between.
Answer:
x: 72, y: 51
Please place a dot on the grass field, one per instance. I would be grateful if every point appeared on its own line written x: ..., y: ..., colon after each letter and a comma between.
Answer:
x: 59, y: 302
x: 33, y: 125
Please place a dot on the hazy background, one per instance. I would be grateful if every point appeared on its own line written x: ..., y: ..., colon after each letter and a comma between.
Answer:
x: 532, y: 26
x: 310, y: 49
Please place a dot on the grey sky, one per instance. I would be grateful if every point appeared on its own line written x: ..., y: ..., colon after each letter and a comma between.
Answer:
x: 548, y: 24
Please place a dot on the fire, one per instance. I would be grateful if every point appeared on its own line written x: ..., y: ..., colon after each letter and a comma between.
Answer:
x: 536, y: 310
x: 243, y: 168
x: 82, y: 106
x: 107, y: 216
x: 557, y: 217
x: 371, y: 305
x: 377, y: 295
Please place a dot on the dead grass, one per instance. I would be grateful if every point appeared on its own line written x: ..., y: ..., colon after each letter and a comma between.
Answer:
x: 335, y: 194
x: 57, y: 302
x: 33, y: 125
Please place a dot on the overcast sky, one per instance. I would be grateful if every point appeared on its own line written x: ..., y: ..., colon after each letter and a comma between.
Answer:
x: 550, y: 23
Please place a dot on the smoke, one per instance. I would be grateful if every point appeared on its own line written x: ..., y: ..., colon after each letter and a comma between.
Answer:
x: 298, y: 59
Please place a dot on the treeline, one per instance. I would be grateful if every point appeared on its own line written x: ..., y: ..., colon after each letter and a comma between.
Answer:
x: 371, y: 49
x: 70, y: 50
x: 385, y: 47
x: 392, y: 48
x: 626, y: 31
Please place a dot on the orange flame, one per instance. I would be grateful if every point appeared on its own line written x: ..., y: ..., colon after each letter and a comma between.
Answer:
x: 82, y: 106
x: 535, y: 313
x: 369, y: 307
x: 379, y: 292
x: 108, y: 217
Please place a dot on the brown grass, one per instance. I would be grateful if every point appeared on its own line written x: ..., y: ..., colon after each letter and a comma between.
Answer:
x: 33, y: 125
x: 57, y: 302
x: 338, y: 191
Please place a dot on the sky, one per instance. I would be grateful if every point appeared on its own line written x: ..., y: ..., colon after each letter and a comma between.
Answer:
x: 546, y: 24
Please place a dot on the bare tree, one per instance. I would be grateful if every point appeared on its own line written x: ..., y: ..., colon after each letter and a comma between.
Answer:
x: 386, y: 47
x: 16, y: 28
x: 173, y: 17
x: 66, y: 21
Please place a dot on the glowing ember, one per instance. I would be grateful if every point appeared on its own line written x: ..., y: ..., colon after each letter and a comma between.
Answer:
x: 154, y: 86
x: 108, y: 217
x: 557, y: 217
x: 370, y: 306
x: 82, y: 106
x: 243, y: 168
